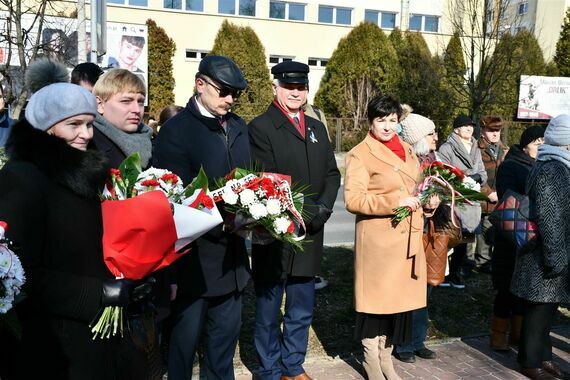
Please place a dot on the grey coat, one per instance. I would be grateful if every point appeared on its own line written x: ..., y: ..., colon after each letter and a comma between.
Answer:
x: 542, y: 275
x: 453, y: 152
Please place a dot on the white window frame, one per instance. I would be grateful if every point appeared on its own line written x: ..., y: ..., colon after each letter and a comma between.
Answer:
x: 236, y: 7
x: 318, y: 62
x: 287, y: 3
x: 279, y: 58
x: 423, y: 24
x: 379, y: 18
x: 200, y: 54
x: 334, y: 20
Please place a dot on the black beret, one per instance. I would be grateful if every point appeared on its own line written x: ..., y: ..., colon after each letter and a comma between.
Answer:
x: 291, y: 72
x: 461, y: 121
x: 223, y: 70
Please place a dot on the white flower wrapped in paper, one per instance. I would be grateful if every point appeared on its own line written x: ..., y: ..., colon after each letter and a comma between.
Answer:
x: 11, y: 274
x: 470, y: 183
x: 273, y: 206
x: 258, y: 211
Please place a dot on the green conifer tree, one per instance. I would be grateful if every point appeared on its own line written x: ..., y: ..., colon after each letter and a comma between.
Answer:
x: 562, y: 56
x: 243, y: 46
x: 363, y: 64
x: 161, y: 50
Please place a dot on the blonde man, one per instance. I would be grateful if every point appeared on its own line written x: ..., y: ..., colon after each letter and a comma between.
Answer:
x: 119, y: 129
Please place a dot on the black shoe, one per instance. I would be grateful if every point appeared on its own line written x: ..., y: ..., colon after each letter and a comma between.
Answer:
x: 406, y: 357
x: 454, y: 281
x: 425, y: 353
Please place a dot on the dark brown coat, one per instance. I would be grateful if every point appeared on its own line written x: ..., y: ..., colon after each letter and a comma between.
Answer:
x: 491, y: 166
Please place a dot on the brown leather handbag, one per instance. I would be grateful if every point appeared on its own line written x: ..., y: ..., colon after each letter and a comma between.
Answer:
x: 435, y: 246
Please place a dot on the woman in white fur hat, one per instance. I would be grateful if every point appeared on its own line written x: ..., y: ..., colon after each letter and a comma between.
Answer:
x: 50, y: 199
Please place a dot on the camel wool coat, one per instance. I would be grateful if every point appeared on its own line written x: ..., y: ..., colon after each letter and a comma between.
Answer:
x: 390, y: 265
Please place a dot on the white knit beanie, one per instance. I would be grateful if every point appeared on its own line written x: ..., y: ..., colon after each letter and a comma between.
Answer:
x: 415, y: 127
x: 558, y: 131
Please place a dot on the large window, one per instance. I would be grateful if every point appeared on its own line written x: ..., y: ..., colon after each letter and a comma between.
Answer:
x: 229, y: 7
x: 189, y: 5
x: 318, y: 62
x: 285, y: 10
x: 275, y: 59
x: 386, y: 20
x: 422, y: 23
x: 335, y: 15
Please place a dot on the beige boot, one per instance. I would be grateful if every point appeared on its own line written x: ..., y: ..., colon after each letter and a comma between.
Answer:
x: 371, y: 361
x: 516, y: 324
x: 499, y: 334
x: 386, y: 362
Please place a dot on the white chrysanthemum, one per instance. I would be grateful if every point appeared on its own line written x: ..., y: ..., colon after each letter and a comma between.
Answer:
x: 281, y: 224
x: 151, y: 173
x: 470, y: 183
x: 258, y: 211
x: 229, y: 196
x: 12, y: 277
x: 247, y: 197
x: 273, y: 206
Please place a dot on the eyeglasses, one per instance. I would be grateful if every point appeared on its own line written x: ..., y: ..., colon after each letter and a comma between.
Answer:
x: 224, y: 91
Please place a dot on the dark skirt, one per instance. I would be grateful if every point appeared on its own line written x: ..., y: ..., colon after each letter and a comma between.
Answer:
x: 397, y: 327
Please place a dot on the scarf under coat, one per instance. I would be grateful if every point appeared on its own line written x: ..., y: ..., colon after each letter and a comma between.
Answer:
x: 550, y: 152
x: 128, y: 143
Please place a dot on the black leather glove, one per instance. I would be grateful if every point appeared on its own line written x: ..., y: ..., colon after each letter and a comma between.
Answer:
x: 116, y: 292
x: 143, y: 290
x: 477, y: 178
x: 322, y: 214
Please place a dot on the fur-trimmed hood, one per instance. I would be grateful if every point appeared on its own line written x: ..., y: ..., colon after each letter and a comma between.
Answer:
x: 82, y: 172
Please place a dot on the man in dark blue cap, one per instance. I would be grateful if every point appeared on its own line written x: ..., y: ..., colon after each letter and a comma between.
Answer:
x: 285, y: 140
x: 209, y: 280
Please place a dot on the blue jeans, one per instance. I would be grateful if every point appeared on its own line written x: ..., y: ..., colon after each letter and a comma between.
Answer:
x: 420, y: 322
x: 283, y: 354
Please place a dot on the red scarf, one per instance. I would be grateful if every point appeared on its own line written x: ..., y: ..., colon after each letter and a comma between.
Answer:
x: 394, y: 145
x: 301, y: 126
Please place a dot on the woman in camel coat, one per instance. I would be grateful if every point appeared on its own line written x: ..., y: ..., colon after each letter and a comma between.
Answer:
x: 390, y: 269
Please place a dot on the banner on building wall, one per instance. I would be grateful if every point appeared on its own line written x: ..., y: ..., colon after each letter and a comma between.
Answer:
x: 543, y: 97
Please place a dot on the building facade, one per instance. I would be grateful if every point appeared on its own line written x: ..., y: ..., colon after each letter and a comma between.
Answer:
x: 307, y: 31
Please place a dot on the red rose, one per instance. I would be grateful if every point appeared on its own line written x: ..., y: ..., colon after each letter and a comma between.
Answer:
x: 150, y: 183
x: 268, y: 186
x: 291, y: 228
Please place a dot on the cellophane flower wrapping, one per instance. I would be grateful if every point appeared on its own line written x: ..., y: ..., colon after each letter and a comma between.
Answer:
x: 12, y: 276
x: 149, y: 219
x: 262, y: 206
x: 449, y: 183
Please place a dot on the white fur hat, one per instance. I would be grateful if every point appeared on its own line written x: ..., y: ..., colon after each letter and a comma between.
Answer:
x: 415, y: 127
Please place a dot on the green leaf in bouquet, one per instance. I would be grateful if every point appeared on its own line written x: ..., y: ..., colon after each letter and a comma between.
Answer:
x: 130, y: 169
x: 199, y: 182
x: 472, y: 195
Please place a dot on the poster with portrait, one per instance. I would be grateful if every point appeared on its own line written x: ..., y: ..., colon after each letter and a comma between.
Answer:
x: 543, y: 97
x: 127, y: 48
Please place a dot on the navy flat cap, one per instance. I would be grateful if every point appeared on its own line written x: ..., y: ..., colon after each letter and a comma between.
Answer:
x: 291, y: 72
x: 223, y: 70
x: 461, y: 121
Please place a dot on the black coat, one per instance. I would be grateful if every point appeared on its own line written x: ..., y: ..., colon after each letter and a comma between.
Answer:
x: 511, y: 175
x: 49, y: 198
x: 218, y: 262
x: 280, y: 148
x: 542, y: 274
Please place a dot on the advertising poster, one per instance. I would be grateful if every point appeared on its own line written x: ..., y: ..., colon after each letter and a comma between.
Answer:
x: 543, y: 97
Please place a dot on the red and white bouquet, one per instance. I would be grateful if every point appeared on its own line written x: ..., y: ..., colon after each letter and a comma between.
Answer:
x: 449, y: 183
x: 11, y: 273
x: 262, y: 206
x: 149, y: 219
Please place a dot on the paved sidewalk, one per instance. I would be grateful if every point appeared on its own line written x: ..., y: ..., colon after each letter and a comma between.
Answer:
x: 469, y: 358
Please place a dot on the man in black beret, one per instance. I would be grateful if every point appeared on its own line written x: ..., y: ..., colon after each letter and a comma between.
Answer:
x: 285, y: 140
x: 208, y: 281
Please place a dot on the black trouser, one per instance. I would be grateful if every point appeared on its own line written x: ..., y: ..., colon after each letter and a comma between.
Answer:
x: 507, y: 304
x: 535, y: 346
x: 458, y: 258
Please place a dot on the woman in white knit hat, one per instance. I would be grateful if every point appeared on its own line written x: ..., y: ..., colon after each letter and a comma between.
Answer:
x: 419, y: 132
x: 50, y: 199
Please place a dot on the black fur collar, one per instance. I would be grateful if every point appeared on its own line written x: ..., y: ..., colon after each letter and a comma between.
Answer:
x: 83, y: 173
